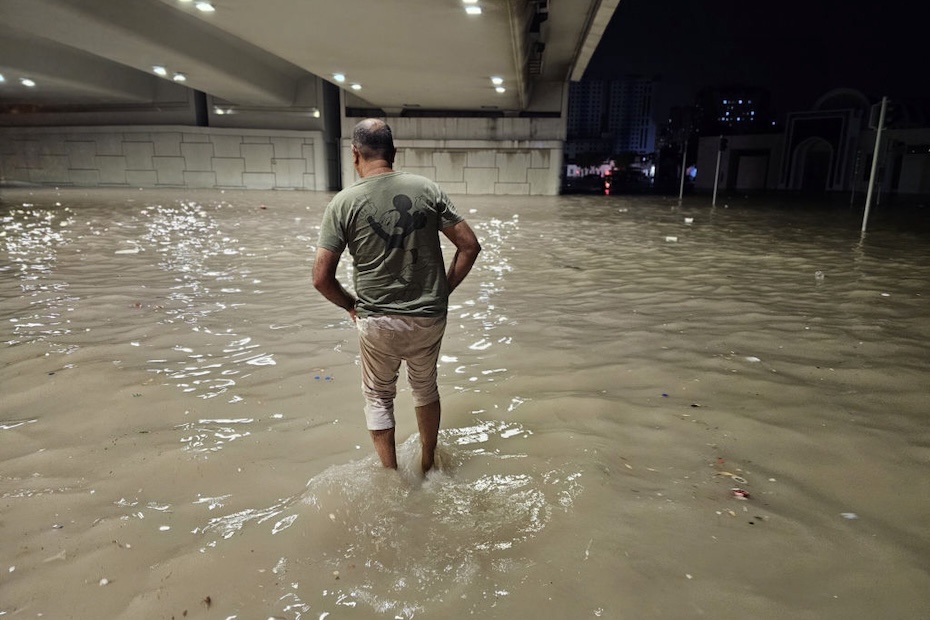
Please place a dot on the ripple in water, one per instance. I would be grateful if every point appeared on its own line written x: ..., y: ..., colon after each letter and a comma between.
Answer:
x: 210, y: 272
x: 31, y: 238
x: 397, y: 543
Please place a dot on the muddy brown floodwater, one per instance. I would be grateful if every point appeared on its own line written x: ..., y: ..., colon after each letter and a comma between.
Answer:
x: 181, y: 425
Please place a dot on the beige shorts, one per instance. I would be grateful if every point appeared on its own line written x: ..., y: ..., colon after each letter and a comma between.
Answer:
x: 385, y: 341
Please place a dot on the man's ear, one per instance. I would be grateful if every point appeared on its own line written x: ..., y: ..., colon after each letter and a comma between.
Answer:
x: 356, y: 156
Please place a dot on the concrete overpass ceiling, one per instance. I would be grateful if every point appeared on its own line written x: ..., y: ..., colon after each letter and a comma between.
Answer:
x: 427, y: 54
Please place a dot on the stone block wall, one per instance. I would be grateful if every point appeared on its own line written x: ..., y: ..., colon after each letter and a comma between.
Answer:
x: 478, y: 167
x: 499, y: 156
x: 185, y: 157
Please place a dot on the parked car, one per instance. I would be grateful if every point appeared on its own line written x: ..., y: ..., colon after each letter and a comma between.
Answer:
x: 587, y: 184
x: 627, y: 181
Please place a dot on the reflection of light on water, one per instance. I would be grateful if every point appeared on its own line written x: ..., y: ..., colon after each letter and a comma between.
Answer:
x: 483, y: 431
x: 228, y: 525
x: 31, y: 238
x: 213, y: 502
x: 283, y: 524
x: 210, y: 435
x: 9, y: 424
x: 26, y: 493
x: 190, y: 243
x: 479, y: 317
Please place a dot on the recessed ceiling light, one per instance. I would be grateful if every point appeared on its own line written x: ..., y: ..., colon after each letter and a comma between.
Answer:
x: 497, y: 81
x: 473, y: 10
x: 27, y: 82
x: 315, y: 113
x: 159, y: 70
x: 356, y: 87
x: 339, y: 77
x: 501, y: 89
x: 469, y: 1
x: 179, y: 77
x: 2, y: 79
x: 206, y: 7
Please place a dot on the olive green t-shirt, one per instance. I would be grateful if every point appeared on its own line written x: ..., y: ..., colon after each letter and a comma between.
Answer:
x: 390, y: 223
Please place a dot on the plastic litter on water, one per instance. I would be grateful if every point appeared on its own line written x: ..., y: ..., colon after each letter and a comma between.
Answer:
x: 740, y: 493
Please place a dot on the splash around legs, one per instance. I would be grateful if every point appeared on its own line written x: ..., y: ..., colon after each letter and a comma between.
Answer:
x: 428, y: 417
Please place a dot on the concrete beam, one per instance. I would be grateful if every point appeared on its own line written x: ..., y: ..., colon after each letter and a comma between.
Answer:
x: 49, y: 63
x: 140, y: 34
x: 599, y: 17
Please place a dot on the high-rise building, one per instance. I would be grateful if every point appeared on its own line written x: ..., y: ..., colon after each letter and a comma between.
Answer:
x: 731, y: 110
x: 614, y: 116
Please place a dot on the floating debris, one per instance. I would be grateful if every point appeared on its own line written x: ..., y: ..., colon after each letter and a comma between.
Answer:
x: 735, y: 478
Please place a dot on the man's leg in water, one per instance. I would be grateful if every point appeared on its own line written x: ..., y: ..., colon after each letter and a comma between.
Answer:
x: 379, y: 385
x: 428, y: 422
x: 384, y: 446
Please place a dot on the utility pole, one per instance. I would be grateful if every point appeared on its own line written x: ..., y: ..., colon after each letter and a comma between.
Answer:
x: 722, y: 146
x: 878, y: 138
x: 684, y: 155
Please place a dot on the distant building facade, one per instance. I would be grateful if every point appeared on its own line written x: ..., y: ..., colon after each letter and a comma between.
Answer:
x: 718, y: 111
x: 827, y: 149
x: 610, y: 117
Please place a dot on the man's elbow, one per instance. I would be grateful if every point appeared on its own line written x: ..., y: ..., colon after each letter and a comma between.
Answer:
x: 322, y: 285
x: 473, y: 249
x: 320, y: 280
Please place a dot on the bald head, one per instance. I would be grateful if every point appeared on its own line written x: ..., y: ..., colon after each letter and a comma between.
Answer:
x: 373, y: 140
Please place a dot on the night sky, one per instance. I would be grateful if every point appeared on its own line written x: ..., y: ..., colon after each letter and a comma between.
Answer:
x: 796, y: 49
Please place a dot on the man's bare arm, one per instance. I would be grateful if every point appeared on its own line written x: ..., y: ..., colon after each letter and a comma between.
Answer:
x: 324, y: 280
x: 466, y: 252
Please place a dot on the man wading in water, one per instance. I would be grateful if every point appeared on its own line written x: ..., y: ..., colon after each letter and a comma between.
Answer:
x: 390, y: 222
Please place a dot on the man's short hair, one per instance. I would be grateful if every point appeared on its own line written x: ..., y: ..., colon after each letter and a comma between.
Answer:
x: 373, y: 139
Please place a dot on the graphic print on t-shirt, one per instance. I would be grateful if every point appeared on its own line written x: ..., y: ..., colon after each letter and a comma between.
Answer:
x: 400, y: 259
